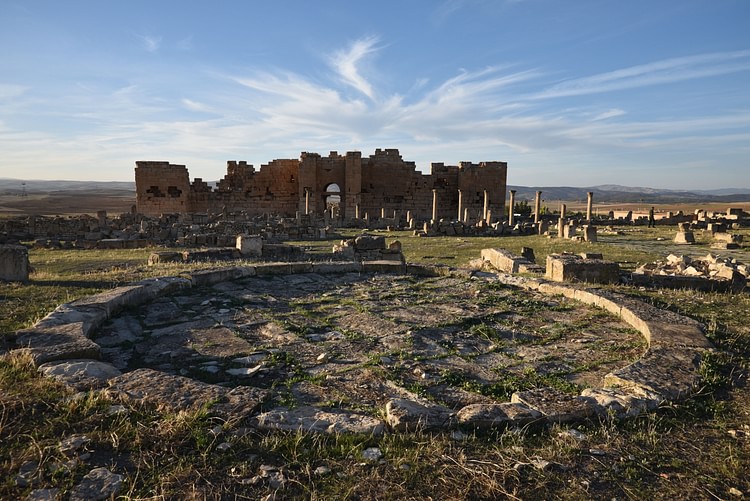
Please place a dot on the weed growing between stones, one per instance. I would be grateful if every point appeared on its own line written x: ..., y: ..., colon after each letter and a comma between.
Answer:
x: 697, y: 449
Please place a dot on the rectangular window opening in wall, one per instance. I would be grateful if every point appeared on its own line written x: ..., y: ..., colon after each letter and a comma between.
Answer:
x: 174, y: 192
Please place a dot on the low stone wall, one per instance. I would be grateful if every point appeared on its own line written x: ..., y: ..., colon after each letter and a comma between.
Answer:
x: 668, y: 371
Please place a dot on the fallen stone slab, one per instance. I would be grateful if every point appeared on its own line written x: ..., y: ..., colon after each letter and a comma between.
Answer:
x: 503, y: 260
x: 98, y: 484
x: 663, y: 334
x: 554, y: 405
x: 384, y: 266
x: 407, y: 415
x: 214, y: 276
x: 670, y: 373
x: 57, y: 342
x: 317, y: 420
x: 173, y: 393
x: 82, y: 375
x: 617, y: 403
x: 488, y: 416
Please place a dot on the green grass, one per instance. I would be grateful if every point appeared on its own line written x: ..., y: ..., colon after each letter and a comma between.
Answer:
x: 682, y: 451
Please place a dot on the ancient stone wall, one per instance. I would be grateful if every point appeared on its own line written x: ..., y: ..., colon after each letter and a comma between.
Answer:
x: 382, y: 184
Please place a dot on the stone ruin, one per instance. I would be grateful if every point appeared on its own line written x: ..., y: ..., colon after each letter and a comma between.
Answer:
x: 348, y: 187
x: 89, y: 344
x: 702, y: 273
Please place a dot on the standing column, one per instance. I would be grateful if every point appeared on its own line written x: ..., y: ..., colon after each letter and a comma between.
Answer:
x: 460, y: 202
x: 588, y: 206
x: 537, y: 206
x: 512, y: 204
x: 561, y: 222
x: 307, y: 201
x: 486, y: 205
x: 434, y: 206
x: 356, y: 211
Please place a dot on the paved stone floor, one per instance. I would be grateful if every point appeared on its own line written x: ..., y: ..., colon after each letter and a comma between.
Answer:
x: 355, y: 341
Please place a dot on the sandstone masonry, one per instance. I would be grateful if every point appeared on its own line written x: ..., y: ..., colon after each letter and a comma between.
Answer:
x: 375, y: 186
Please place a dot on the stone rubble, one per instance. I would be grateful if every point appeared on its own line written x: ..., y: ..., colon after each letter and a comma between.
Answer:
x: 200, y: 342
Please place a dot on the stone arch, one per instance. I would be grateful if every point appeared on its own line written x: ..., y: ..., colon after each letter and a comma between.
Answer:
x: 332, y: 197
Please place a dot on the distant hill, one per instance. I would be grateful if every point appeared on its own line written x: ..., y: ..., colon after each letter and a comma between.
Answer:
x: 602, y: 193
x: 626, y: 194
x: 10, y: 186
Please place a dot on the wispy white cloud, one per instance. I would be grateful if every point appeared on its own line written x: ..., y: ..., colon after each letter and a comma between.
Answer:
x: 614, y: 112
x: 346, y: 63
x: 659, y: 72
x: 150, y: 43
x: 11, y: 91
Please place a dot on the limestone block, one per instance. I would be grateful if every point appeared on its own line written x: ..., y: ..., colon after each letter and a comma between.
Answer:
x: 589, y: 233
x: 617, y: 403
x: 571, y: 268
x: 668, y: 334
x: 368, y: 242
x: 383, y: 266
x: 210, y: 277
x: 173, y: 393
x: 57, y: 342
x: 80, y: 374
x: 337, y: 267
x: 684, y: 238
x: 316, y: 420
x: 670, y: 373
x: 14, y: 263
x: 250, y: 245
x: 273, y: 269
x: 555, y: 406
x: 164, y: 257
x: 408, y: 415
x: 504, y: 260
x: 487, y: 416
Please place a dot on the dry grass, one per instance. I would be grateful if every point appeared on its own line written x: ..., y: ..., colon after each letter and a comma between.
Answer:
x: 695, y: 450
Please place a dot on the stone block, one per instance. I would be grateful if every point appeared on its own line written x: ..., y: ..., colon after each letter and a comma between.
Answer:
x: 315, y: 420
x: 80, y: 374
x: 337, y: 267
x: 684, y: 238
x: 589, y: 233
x: 164, y: 257
x: 14, y: 263
x: 57, y: 342
x: 250, y: 245
x: 488, y: 416
x: 504, y: 260
x: 408, y: 415
x: 617, y: 403
x: 210, y: 277
x: 571, y: 268
x: 383, y: 267
x: 555, y: 406
x: 670, y: 373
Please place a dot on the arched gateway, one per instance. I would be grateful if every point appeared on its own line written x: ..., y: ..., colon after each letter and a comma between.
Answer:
x: 380, y: 183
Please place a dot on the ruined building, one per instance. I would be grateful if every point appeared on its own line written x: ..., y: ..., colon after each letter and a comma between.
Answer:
x: 354, y: 186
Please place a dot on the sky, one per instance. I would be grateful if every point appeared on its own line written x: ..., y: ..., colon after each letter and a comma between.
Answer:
x: 568, y: 92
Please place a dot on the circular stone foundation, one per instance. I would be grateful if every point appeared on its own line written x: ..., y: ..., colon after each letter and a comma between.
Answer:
x: 355, y: 341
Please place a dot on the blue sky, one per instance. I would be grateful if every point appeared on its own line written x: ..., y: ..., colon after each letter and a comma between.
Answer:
x: 568, y: 92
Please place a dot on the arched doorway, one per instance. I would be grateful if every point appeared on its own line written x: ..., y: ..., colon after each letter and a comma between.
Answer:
x: 332, y: 197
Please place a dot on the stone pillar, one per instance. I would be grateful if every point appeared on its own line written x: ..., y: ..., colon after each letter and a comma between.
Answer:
x: 102, y: 216
x: 382, y: 213
x: 356, y: 211
x: 488, y: 217
x: 561, y: 223
x: 466, y: 215
x: 486, y: 205
x: 512, y: 205
x: 460, y: 202
x: 590, y: 195
x: 537, y: 206
x: 307, y: 201
x: 434, y: 206
x: 14, y: 263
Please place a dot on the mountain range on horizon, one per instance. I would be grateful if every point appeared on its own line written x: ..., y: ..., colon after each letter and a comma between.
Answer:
x: 602, y: 193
